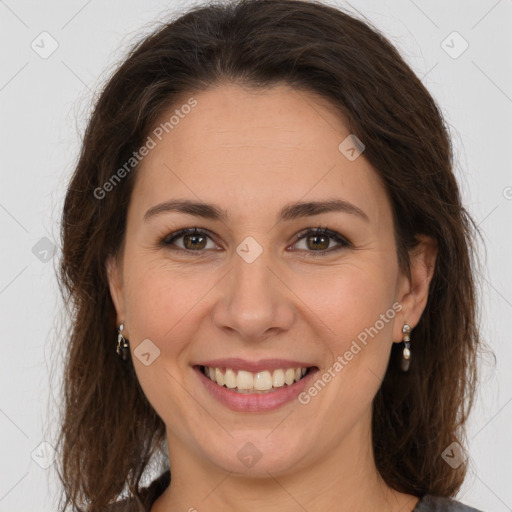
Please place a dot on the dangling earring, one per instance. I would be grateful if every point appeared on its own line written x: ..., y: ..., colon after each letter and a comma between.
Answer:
x: 406, y: 354
x: 122, y: 344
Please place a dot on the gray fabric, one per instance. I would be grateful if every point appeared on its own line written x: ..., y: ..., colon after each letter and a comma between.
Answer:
x: 437, y: 504
x: 427, y: 504
x: 151, y: 493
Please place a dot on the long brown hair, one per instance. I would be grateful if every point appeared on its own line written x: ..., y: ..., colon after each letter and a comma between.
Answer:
x: 110, y: 432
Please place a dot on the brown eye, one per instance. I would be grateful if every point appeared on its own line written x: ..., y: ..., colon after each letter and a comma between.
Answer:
x: 193, y: 240
x: 319, y: 241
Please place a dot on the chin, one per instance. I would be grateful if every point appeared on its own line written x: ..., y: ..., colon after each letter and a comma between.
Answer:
x: 256, y: 453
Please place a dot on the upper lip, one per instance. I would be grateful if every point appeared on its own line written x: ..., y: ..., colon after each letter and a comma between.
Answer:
x: 236, y: 363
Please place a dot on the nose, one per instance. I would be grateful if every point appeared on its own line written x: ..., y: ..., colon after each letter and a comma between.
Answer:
x: 254, y: 300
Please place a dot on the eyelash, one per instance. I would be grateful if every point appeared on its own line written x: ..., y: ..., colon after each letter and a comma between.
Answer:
x: 168, y: 240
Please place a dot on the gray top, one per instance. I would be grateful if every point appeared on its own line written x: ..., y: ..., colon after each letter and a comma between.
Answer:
x: 151, y: 493
x: 434, y: 503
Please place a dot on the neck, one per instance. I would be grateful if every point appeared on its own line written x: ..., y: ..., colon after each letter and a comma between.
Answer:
x: 343, y: 478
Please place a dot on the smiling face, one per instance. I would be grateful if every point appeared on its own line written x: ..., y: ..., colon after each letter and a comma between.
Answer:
x: 244, y: 286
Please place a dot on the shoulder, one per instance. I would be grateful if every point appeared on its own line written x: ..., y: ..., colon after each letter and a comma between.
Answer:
x: 439, y: 504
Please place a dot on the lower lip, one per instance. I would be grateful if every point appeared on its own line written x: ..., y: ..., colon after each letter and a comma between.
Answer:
x: 255, y: 402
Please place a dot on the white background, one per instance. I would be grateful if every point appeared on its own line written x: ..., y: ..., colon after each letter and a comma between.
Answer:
x: 44, y: 105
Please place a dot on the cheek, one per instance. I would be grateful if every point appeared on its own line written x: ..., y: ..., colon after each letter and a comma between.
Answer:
x: 351, y: 298
x: 160, y: 302
x: 162, y: 306
x: 166, y: 302
x: 341, y: 302
x: 354, y: 307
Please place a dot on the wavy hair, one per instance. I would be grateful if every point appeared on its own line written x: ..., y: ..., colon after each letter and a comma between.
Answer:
x: 106, y: 443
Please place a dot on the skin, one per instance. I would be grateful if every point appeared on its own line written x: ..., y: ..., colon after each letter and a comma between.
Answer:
x: 251, y: 152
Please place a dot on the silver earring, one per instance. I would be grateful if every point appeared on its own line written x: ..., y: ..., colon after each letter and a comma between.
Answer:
x: 122, y: 344
x: 406, y: 353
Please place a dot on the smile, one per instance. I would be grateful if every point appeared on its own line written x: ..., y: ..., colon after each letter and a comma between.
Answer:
x: 242, y: 381
x: 259, y: 391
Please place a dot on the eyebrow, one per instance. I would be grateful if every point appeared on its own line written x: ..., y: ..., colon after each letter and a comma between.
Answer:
x: 289, y: 212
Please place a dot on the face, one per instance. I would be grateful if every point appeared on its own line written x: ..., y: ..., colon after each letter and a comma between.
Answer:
x: 255, y: 282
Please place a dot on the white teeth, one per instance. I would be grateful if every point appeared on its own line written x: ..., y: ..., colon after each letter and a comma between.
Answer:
x: 289, y: 376
x: 230, y: 378
x: 244, y: 380
x: 219, y: 377
x: 263, y: 381
x: 278, y: 378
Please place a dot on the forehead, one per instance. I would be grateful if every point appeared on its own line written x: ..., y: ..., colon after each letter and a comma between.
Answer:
x: 239, y: 146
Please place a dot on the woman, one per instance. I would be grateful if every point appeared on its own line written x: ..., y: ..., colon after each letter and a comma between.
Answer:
x: 270, y: 274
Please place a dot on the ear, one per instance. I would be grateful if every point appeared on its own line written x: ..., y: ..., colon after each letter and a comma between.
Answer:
x: 413, y: 290
x: 115, y: 283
